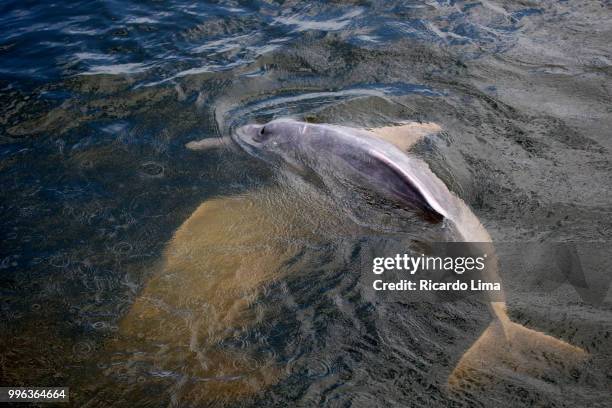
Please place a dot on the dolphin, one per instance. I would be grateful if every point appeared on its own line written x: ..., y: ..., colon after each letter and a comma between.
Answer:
x: 205, y: 288
x: 379, y: 159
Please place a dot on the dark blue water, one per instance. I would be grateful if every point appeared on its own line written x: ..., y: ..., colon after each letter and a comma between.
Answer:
x: 44, y: 42
x: 97, y: 101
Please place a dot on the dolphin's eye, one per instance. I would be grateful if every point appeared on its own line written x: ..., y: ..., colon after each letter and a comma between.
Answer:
x: 262, y: 135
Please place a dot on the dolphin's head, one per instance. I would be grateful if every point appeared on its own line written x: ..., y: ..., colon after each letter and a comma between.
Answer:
x: 345, y: 157
x: 274, y: 141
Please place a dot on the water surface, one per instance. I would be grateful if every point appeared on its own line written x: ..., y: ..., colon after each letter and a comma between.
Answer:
x: 97, y: 100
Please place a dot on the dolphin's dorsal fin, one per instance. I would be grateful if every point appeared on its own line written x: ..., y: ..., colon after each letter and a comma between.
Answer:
x: 406, y: 135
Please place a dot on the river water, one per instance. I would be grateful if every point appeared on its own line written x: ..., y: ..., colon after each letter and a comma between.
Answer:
x: 112, y: 280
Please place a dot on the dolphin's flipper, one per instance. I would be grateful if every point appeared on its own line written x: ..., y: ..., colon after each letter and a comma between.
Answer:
x: 216, y: 260
x: 407, y: 135
x: 399, y: 185
x: 203, y: 296
x: 404, y: 137
x: 507, y: 349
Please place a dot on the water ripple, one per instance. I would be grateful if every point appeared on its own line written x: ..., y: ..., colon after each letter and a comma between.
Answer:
x: 139, y: 38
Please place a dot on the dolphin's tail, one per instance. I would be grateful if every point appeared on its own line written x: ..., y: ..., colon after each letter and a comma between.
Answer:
x: 506, y: 349
x: 509, y: 350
